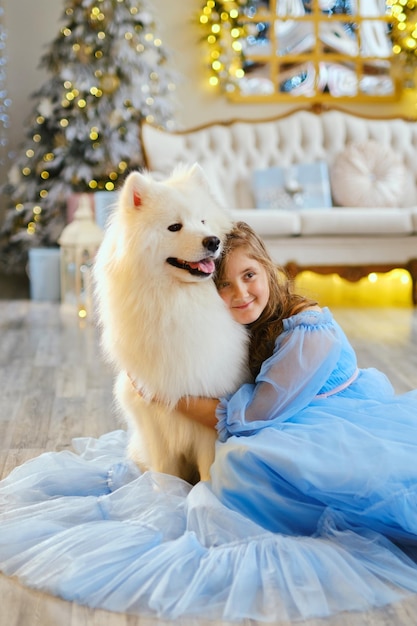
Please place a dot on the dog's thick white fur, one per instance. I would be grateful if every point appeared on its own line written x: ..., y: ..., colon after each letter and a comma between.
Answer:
x: 163, y: 324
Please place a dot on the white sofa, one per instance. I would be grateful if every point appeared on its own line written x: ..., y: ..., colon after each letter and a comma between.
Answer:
x: 351, y: 241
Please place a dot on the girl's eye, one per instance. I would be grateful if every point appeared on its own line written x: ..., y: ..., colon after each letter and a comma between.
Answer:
x: 174, y: 227
x: 250, y: 275
x: 223, y: 285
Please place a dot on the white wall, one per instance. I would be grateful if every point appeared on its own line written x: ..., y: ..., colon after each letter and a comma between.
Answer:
x: 33, y: 24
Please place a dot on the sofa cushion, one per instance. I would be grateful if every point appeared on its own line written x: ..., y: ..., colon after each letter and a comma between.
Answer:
x: 368, y: 174
x: 356, y: 221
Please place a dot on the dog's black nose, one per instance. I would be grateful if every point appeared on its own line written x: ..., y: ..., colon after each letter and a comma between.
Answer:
x: 211, y: 243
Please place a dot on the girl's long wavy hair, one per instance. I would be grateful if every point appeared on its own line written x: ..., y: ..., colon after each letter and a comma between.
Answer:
x: 282, y: 303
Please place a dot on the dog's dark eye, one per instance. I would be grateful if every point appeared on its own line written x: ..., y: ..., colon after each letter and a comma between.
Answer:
x: 174, y: 227
x: 203, y: 221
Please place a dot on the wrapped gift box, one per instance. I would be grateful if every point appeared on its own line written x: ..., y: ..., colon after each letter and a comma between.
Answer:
x: 298, y: 186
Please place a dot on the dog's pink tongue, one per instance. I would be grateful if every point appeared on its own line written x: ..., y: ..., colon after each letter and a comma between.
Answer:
x: 206, y: 265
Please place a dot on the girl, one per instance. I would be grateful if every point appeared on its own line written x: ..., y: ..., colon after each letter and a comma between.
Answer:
x: 313, y: 437
x: 311, y: 507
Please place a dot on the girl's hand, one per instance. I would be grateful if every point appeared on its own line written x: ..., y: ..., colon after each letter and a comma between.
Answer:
x: 200, y: 409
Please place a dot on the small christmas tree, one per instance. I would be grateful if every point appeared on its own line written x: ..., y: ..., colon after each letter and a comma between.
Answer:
x: 109, y: 72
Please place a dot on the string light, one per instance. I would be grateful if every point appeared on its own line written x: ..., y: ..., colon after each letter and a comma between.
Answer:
x: 404, y: 30
x: 224, y: 27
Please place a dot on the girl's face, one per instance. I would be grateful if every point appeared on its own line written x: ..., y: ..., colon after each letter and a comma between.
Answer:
x: 245, y: 287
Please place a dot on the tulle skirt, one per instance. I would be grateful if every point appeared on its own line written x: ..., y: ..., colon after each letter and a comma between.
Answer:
x: 89, y: 527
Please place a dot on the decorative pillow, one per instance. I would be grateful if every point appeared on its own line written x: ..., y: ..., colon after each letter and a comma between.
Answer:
x: 368, y: 174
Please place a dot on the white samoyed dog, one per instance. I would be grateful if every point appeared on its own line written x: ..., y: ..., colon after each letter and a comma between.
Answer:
x: 164, y: 326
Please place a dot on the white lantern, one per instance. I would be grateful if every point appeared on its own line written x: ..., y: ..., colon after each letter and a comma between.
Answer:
x: 79, y: 243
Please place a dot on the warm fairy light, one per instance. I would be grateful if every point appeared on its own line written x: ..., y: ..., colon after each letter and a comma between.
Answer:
x: 224, y: 28
x: 404, y: 29
x: 390, y: 289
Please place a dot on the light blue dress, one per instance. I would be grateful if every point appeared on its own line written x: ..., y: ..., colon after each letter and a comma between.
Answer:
x: 311, y: 508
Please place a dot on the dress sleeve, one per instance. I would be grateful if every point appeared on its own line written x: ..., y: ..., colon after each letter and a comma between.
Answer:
x: 305, y: 355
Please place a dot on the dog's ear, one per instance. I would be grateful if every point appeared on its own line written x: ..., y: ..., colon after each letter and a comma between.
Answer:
x: 197, y: 172
x: 135, y: 189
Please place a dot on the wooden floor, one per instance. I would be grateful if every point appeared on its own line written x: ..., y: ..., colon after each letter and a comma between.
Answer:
x: 55, y: 386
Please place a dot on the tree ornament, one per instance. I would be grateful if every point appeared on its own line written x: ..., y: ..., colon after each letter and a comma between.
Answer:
x: 109, y: 83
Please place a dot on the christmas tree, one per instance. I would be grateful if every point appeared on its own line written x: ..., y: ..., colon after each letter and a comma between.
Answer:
x: 109, y: 72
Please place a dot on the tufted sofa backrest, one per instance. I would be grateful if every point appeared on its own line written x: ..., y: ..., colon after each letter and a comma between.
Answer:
x: 230, y: 151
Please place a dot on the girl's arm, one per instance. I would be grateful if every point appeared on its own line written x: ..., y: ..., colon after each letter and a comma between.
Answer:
x: 305, y: 355
x: 201, y: 410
